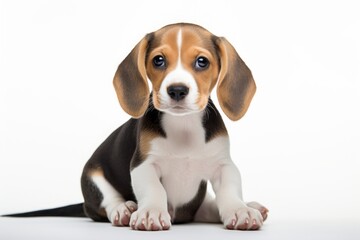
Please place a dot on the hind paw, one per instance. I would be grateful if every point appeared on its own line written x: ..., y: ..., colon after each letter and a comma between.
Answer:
x: 263, y: 210
x: 120, y: 215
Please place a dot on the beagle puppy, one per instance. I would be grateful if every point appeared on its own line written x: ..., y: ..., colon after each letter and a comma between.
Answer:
x: 153, y: 171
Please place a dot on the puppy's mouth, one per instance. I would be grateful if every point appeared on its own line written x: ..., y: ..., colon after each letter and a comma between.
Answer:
x: 177, y: 109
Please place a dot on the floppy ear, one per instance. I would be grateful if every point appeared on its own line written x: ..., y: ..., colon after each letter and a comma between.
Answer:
x: 130, y: 81
x: 236, y: 86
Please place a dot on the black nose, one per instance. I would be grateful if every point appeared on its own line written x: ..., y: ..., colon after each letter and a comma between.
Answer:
x: 177, y: 92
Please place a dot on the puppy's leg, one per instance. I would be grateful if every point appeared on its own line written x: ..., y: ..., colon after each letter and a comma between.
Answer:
x: 234, y: 213
x: 152, y: 213
x: 117, y: 209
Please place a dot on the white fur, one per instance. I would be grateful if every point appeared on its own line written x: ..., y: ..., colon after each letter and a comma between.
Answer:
x: 110, y: 195
x: 179, y: 44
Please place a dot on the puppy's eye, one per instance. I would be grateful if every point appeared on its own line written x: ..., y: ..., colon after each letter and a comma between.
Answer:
x: 159, y: 61
x: 201, y: 63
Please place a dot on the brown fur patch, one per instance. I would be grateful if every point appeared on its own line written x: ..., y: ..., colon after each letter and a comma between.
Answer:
x: 145, y: 142
x: 164, y: 44
x: 98, y: 172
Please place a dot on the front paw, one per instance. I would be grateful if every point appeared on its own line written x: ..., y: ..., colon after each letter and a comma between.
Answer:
x: 242, y: 218
x: 150, y: 219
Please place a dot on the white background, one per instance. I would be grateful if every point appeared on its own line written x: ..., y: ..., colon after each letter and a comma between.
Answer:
x: 297, y: 147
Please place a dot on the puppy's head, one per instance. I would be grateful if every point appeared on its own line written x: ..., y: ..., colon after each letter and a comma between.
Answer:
x: 183, y: 62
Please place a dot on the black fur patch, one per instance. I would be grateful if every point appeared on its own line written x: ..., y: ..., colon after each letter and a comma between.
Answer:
x: 212, y: 122
x: 186, y: 213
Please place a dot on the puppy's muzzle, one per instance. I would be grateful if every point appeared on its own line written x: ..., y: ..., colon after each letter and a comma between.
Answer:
x: 177, y: 92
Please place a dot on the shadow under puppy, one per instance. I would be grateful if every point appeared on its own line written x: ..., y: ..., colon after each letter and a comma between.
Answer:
x: 153, y: 170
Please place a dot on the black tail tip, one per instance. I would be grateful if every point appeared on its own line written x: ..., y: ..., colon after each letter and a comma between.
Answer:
x: 74, y: 210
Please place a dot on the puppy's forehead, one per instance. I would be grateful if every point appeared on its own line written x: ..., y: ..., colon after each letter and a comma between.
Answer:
x: 191, y: 35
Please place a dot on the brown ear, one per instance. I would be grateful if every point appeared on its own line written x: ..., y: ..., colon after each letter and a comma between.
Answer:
x: 130, y: 81
x: 236, y: 86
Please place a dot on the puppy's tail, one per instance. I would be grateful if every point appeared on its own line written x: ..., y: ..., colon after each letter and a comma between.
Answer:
x: 74, y: 210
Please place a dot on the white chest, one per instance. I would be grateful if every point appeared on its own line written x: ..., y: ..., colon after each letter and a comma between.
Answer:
x: 183, y: 159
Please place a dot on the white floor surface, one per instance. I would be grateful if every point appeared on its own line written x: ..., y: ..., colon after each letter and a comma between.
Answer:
x: 81, y: 228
